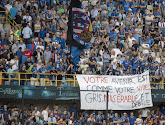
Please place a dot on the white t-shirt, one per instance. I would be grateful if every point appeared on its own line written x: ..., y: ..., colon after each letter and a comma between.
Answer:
x: 117, y: 52
x: 149, y: 18
x: 144, y: 112
x: 130, y: 41
x: 145, y: 51
x: 37, y: 113
x: 139, y: 120
x: 28, y: 18
x: 8, y: 6
x: 15, y: 66
x: 37, y: 26
x: 161, y: 43
x: 41, y: 47
x: 114, y: 65
x: 26, y: 32
x: 161, y: 24
x: 45, y: 115
x: 81, y: 61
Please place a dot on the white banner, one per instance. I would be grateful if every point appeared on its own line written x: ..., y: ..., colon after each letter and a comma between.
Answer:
x: 125, y: 92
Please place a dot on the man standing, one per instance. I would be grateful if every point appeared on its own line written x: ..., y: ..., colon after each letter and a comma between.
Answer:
x: 47, y: 56
x: 52, y: 120
x: 42, y: 76
x: 27, y: 32
x: 45, y: 113
x: 106, y: 60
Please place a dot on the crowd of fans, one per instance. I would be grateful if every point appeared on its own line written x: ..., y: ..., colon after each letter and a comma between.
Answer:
x: 127, y: 33
x: 33, y: 115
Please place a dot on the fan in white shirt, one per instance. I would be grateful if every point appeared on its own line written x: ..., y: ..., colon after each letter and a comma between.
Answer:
x: 145, y: 47
x: 115, y: 62
x: 52, y: 119
x: 119, y: 22
x: 130, y: 39
x: 14, y: 63
x: 8, y: 6
x: 36, y: 113
x: 139, y: 120
x: 28, y: 18
x: 45, y: 113
x: 161, y: 24
x: 144, y: 112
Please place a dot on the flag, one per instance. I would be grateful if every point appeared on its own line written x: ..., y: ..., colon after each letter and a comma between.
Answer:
x: 79, y: 32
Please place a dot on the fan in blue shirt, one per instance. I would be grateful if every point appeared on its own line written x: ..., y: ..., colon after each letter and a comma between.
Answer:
x: 132, y: 119
x: 136, y: 62
x: 124, y: 117
x: 128, y: 72
x: 144, y: 64
x: 117, y: 72
x: 34, y: 70
x: 110, y: 69
x: 42, y: 70
x: 158, y: 15
x: 49, y: 68
x: 114, y: 15
x: 42, y: 32
x: 126, y: 63
x: 134, y: 7
x: 19, y: 52
x: 62, y: 42
x: 150, y: 41
x: 116, y: 118
x: 113, y: 35
x: 126, y: 5
x: 142, y: 6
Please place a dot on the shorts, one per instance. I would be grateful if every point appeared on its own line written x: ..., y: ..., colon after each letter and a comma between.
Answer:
x: 156, y: 46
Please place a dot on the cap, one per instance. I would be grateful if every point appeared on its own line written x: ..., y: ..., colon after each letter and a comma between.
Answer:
x: 130, y: 9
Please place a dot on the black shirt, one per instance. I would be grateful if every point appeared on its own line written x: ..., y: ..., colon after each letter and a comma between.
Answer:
x: 18, y: 19
x: 28, y: 64
x: 119, y: 45
x: 135, y: 47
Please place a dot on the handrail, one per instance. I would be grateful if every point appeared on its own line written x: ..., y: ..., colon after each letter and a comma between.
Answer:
x: 8, y: 18
x: 14, y: 22
x: 72, y: 78
x: 56, y: 124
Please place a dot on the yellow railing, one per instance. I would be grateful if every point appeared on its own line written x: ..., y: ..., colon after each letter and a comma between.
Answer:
x: 16, y: 76
x: 56, y: 124
x: 9, y: 19
x: 70, y: 79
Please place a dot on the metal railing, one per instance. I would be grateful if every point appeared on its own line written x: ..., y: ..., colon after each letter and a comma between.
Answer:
x: 56, y: 123
x: 49, y: 79
x: 17, y: 76
x: 10, y: 20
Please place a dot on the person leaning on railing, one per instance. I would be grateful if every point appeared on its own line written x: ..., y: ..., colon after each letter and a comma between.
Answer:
x: 23, y: 75
x: 34, y: 75
x: 159, y: 76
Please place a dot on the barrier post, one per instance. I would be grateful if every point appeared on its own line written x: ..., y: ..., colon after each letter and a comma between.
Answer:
x: 38, y: 79
x: 19, y: 78
x: 0, y: 78
x: 163, y: 83
x: 74, y: 81
x: 22, y: 106
x: 6, y: 18
x: 56, y: 81
x: 107, y: 109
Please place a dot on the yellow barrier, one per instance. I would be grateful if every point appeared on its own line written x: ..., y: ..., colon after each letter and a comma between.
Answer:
x: 71, y: 78
x: 56, y: 124
x: 9, y: 19
x: 16, y: 76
